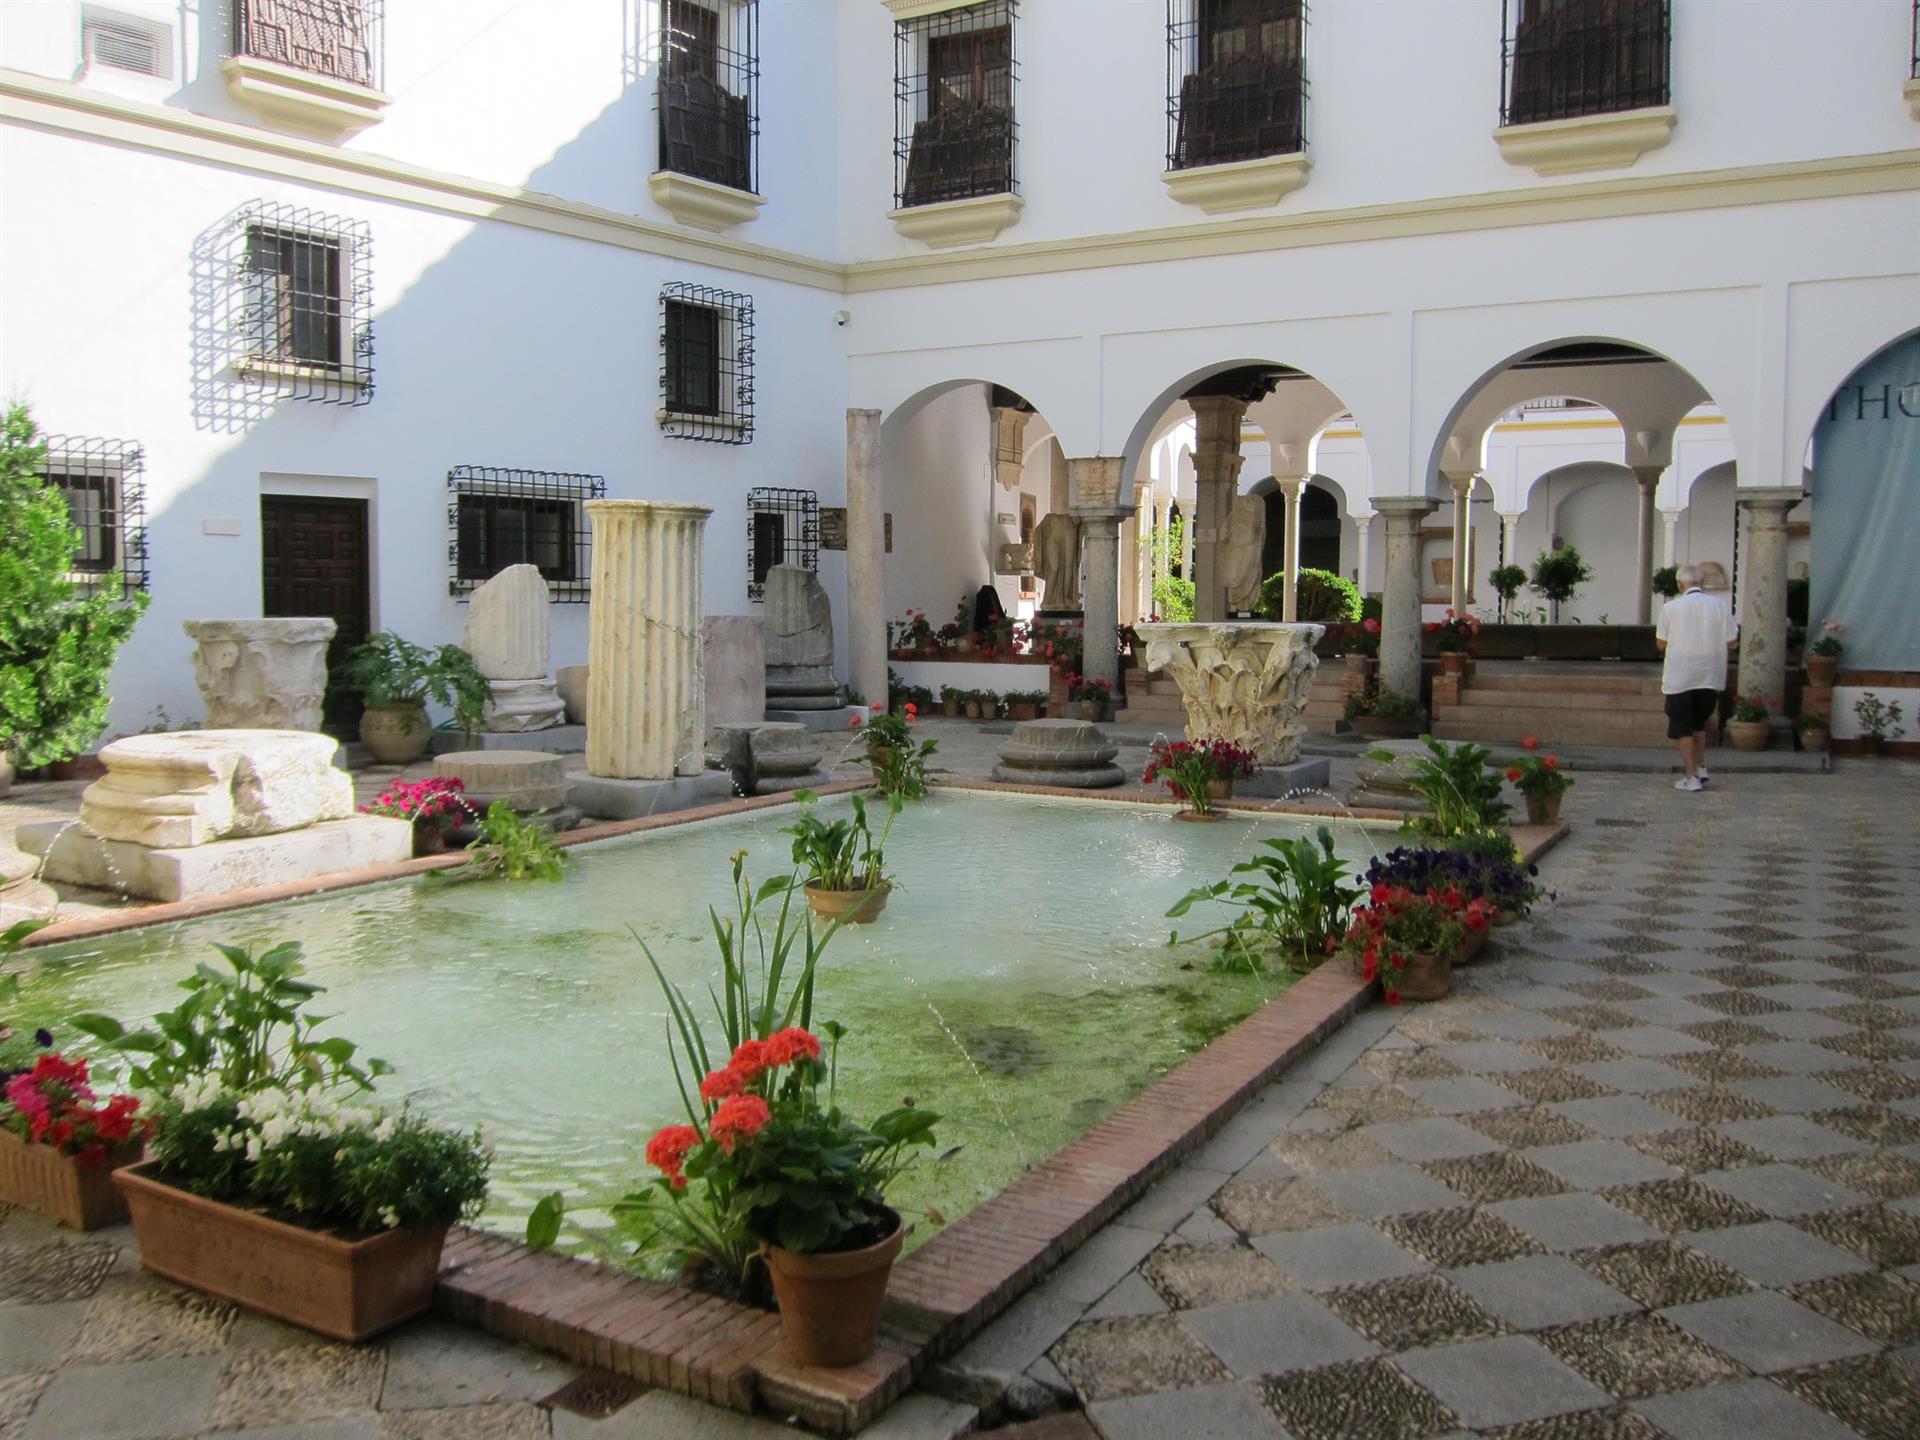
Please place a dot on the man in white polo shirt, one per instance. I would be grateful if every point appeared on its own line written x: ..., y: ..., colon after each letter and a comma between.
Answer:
x: 1694, y: 634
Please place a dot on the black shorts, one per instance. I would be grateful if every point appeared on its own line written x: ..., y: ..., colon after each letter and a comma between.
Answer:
x: 1689, y: 711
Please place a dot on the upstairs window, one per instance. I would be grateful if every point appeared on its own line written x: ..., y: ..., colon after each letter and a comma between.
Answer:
x: 783, y: 528
x: 954, y: 131
x: 706, y: 364
x: 101, y: 482
x: 1566, y: 58
x: 340, y: 39
x: 1236, y: 85
x: 707, y: 98
x: 502, y: 517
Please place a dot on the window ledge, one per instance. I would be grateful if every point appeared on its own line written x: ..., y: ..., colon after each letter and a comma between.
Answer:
x: 973, y: 221
x: 688, y: 417
x: 701, y: 203
x: 313, y: 104
x: 1611, y: 141
x: 1238, y: 184
x: 1912, y: 91
x: 288, y: 372
x: 914, y: 9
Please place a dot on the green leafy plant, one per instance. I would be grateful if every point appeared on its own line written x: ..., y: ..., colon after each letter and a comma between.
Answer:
x: 386, y: 670
x: 1752, y: 708
x: 1293, y: 905
x: 1173, y: 599
x: 1321, y: 597
x: 1377, y: 700
x: 1558, y: 574
x: 1879, y: 719
x: 1810, y: 721
x: 1829, y: 644
x: 1506, y: 581
x: 510, y: 846
x: 1666, y: 581
x: 57, y: 640
x: 1025, y: 697
x: 1539, y: 775
x: 899, y: 763
x: 1463, y: 797
x: 843, y: 855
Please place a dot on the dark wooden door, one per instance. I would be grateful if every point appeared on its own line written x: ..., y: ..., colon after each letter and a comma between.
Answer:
x: 313, y: 561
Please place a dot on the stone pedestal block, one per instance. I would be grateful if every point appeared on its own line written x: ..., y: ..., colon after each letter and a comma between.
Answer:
x: 826, y: 721
x: 785, y: 757
x: 261, y: 674
x: 22, y: 895
x: 191, y: 787
x: 519, y: 707
x: 1243, y: 681
x: 528, y: 780
x: 1283, y: 782
x: 606, y: 798
x: 799, y: 641
x: 736, y: 664
x: 554, y: 740
x: 1071, y: 753
x: 1385, y: 773
x: 571, y: 682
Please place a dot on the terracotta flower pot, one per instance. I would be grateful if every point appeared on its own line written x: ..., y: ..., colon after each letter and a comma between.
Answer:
x: 1471, y: 947
x: 1383, y: 728
x: 1821, y: 669
x: 1544, y: 808
x: 395, y: 734
x: 1220, y: 789
x: 1196, y: 815
x: 857, y: 907
x: 830, y: 1300
x: 40, y: 1178
x: 346, y: 1289
x: 1425, y: 977
x: 1814, y: 741
x: 973, y: 709
x: 1023, y: 711
x: 1453, y: 662
x: 1749, y: 735
x: 1503, y: 918
x: 952, y: 708
x: 1093, y: 710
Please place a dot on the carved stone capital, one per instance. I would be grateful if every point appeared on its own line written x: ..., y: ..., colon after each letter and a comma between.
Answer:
x: 1245, y: 683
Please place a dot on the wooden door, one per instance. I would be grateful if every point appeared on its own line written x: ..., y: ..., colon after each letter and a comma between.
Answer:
x: 314, y: 561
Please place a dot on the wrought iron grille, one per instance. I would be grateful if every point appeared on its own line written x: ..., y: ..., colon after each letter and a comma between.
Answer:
x: 499, y: 517
x: 708, y: 90
x: 1564, y: 58
x: 1916, y: 39
x: 1236, y: 80
x: 953, y: 82
x: 783, y: 528
x: 706, y: 364
x: 108, y: 502
x: 341, y: 39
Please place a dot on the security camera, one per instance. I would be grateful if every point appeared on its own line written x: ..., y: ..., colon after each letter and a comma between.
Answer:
x: 840, y: 318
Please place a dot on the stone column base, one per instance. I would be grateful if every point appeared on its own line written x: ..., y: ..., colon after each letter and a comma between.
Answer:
x: 1280, y: 782
x: 605, y: 798
x: 519, y: 706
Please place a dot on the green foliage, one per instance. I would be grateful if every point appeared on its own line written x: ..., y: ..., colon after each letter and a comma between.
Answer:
x: 1557, y: 574
x: 900, y: 765
x: 1666, y: 581
x: 1173, y: 599
x: 1295, y: 906
x: 386, y: 670
x: 1463, y: 797
x: 843, y: 855
x: 1322, y: 597
x: 510, y: 846
x: 1507, y: 580
x: 247, y: 1030
x: 1484, y: 845
x: 57, y: 642
x: 1379, y: 701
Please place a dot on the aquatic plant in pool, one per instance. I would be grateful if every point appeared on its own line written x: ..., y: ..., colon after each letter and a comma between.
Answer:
x: 1293, y: 907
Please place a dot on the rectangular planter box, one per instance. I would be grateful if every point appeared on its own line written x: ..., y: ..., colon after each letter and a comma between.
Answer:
x: 41, y: 1178
x: 349, y: 1290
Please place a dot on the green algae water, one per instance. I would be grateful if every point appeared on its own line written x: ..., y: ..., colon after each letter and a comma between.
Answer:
x: 1018, y: 983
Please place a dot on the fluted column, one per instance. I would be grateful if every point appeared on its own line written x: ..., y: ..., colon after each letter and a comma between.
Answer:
x: 1400, y: 604
x: 1216, y: 474
x: 1462, y: 484
x: 1763, y: 585
x: 1290, y: 487
x: 866, y: 558
x: 1648, y: 479
x: 646, y: 693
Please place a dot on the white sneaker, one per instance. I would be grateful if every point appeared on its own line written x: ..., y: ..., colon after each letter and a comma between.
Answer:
x: 1688, y: 782
x: 1704, y: 774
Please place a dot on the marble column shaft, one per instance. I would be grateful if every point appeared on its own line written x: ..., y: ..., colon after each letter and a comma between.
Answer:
x: 1648, y: 478
x: 1362, y: 551
x: 866, y: 557
x: 1216, y: 475
x: 1669, y: 521
x: 1763, y: 586
x: 1290, y: 487
x: 646, y: 686
x: 1400, y: 605
x: 1100, y: 597
x: 1457, y: 589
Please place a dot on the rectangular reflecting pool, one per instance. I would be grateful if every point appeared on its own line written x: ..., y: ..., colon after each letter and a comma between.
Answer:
x: 1019, y: 983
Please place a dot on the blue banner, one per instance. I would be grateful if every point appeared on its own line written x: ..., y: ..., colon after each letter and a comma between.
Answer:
x: 1866, y: 513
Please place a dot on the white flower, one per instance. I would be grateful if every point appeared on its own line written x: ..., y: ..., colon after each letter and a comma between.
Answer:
x: 389, y: 1217
x: 254, y: 1149
x: 385, y: 1130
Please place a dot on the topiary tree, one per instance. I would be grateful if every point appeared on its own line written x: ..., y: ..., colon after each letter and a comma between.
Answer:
x: 1557, y: 574
x: 1665, y: 582
x: 1506, y: 581
x: 1322, y: 597
x: 57, y: 640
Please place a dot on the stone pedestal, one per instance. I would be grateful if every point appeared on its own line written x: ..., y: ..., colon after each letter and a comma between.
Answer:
x: 1285, y: 782
x: 190, y: 787
x: 1070, y: 753
x: 508, y: 621
x: 736, y: 665
x: 528, y: 780
x: 22, y: 894
x: 645, y: 689
x: 607, y: 798
x: 261, y: 674
x: 799, y: 643
x: 554, y: 740
x: 1385, y: 773
x: 1246, y: 682
x: 767, y: 758
x: 1400, y: 600
x: 570, y: 681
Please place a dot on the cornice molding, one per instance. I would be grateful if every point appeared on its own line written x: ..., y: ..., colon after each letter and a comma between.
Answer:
x: 914, y: 9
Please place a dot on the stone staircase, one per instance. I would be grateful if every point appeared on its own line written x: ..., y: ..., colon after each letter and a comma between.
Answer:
x: 1155, y: 700
x: 1596, y: 704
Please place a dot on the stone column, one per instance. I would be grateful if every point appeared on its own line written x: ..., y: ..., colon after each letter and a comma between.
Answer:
x: 1510, y: 536
x: 866, y: 558
x: 1669, y: 522
x: 1763, y: 586
x: 646, y: 687
x: 1216, y: 471
x: 1363, y: 556
x: 1648, y: 478
x: 1400, y: 607
x: 1290, y: 487
x: 1095, y: 488
x: 1462, y: 483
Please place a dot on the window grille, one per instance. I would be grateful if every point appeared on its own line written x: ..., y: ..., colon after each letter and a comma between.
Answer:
x: 291, y: 292
x: 783, y: 528
x: 1916, y: 39
x: 1565, y: 58
x: 706, y: 364
x: 126, y: 42
x: 499, y: 517
x: 105, y: 496
x: 708, y: 90
x: 954, y: 131
x: 341, y: 39
x: 1236, y: 80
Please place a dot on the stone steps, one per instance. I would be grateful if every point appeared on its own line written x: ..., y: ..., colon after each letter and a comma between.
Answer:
x: 1553, y: 726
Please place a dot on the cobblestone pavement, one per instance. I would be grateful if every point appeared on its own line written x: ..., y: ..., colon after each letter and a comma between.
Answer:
x: 1654, y: 1169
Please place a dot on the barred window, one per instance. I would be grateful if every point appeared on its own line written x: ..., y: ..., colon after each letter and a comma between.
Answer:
x: 101, y: 482
x: 1565, y: 58
x: 340, y: 39
x: 783, y: 528
x: 295, y: 296
x: 1236, y: 87
x: 954, y: 130
x: 706, y: 364
x: 708, y: 93
x: 288, y: 294
x: 501, y: 517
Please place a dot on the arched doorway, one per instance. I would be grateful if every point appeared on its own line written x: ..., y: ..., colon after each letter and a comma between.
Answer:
x: 1319, y: 530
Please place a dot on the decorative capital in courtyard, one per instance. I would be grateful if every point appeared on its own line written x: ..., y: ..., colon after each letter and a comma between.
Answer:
x: 1768, y: 504
x: 1243, y: 682
x: 1094, y: 484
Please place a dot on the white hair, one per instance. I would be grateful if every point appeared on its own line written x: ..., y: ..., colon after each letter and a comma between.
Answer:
x: 1688, y: 576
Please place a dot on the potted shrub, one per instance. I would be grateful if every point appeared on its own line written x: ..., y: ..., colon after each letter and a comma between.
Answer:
x: 1025, y: 704
x: 1198, y: 772
x: 1752, y: 723
x: 1363, y: 648
x: 1543, y: 782
x: 60, y: 1143
x: 899, y: 764
x: 1409, y: 941
x: 434, y: 806
x: 1091, y: 695
x: 1294, y: 904
x: 396, y: 678
x: 1455, y: 636
x: 1482, y: 867
x: 1823, y: 659
x: 911, y: 636
x: 1811, y: 728
x: 1879, y: 722
x: 952, y: 699
x: 971, y: 705
x: 272, y: 1183
x: 1462, y: 796
x: 843, y: 863
x: 1376, y: 710
x: 1557, y: 575
x: 1506, y: 581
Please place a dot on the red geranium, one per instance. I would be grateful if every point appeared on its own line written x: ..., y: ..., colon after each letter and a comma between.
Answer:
x: 740, y: 1118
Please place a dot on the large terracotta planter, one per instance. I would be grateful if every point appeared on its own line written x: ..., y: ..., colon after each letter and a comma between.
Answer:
x: 1453, y: 662
x: 1426, y: 977
x: 1093, y: 710
x: 1814, y: 741
x: 856, y: 907
x: 1749, y: 735
x: 40, y: 1178
x: 395, y: 734
x: 830, y: 1301
x: 346, y: 1289
x: 1822, y: 668
x: 1544, y: 809
x: 1023, y: 710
